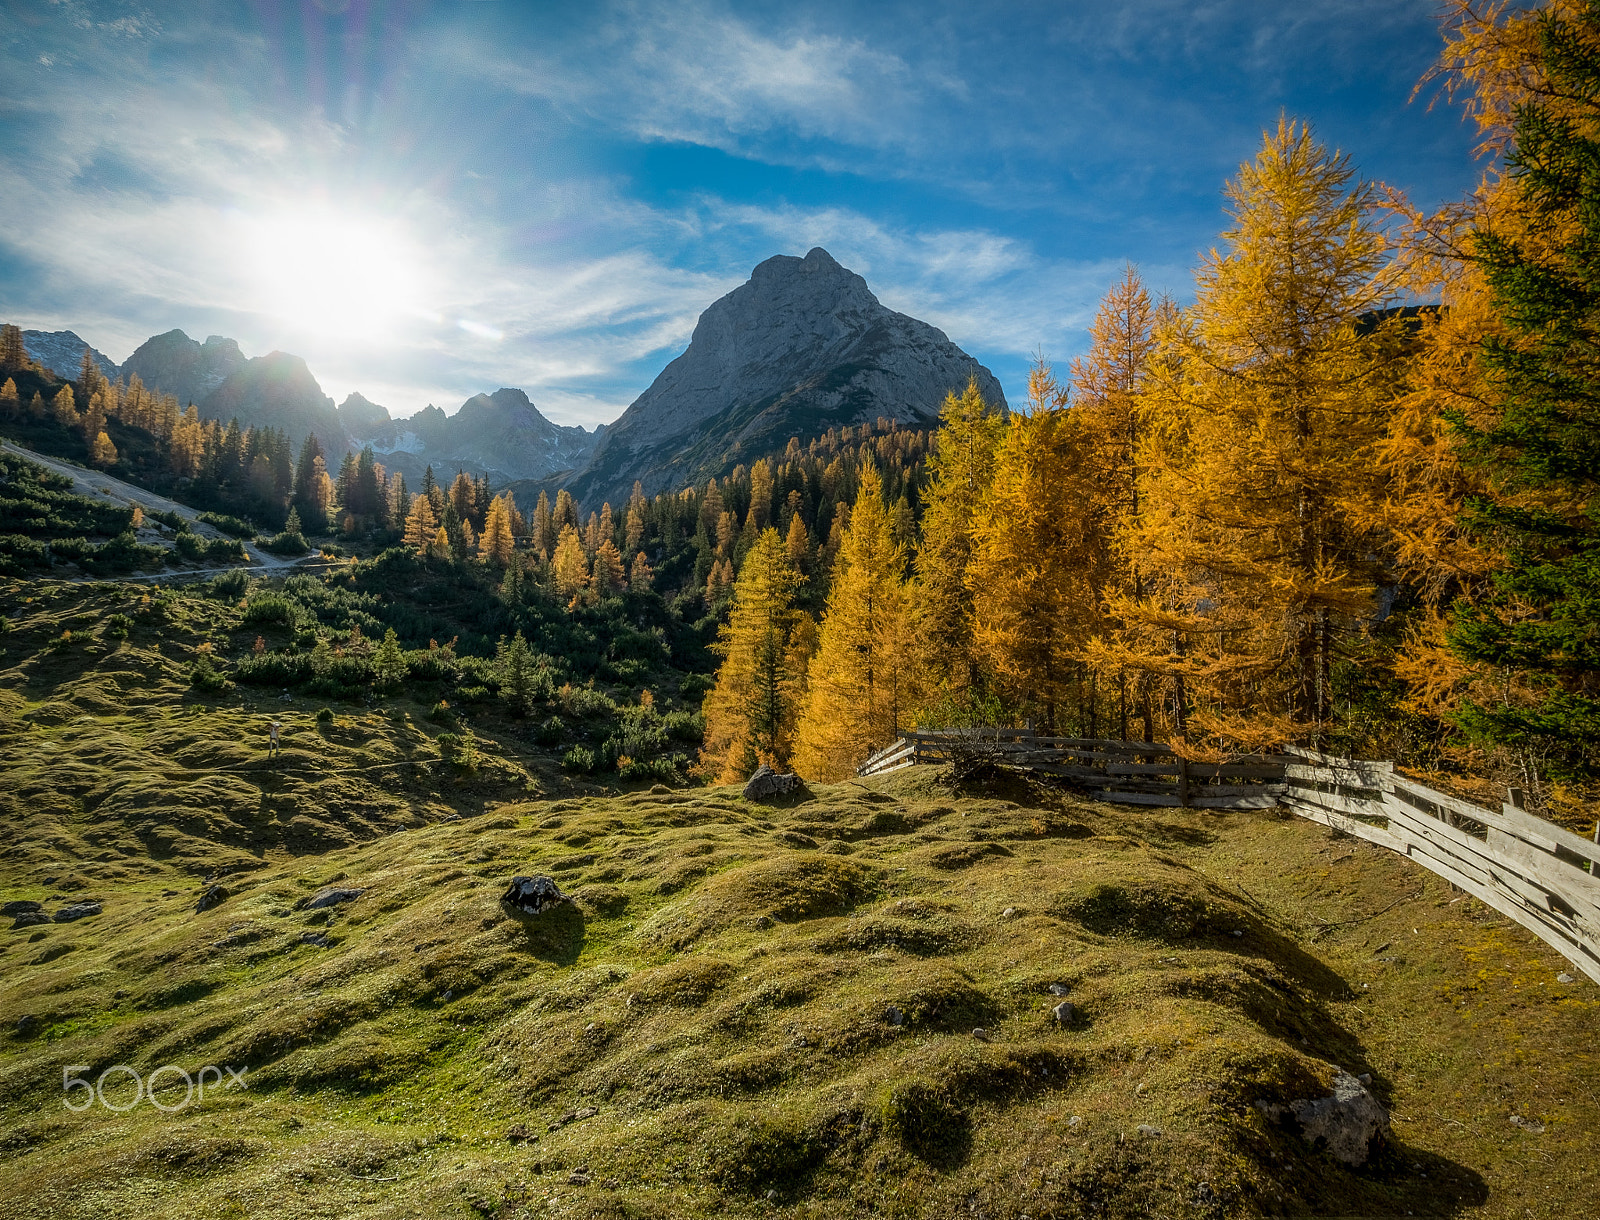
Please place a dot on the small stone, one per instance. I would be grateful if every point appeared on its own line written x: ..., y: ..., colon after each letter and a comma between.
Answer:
x: 319, y: 939
x: 771, y: 1194
x: 1008, y: 912
x: 1149, y: 1132
x: 78, y: 910
x: 1345, y: 1123
x: 26, y: 1025
x: 586, y: 1112
x: 577, y: 1178
x: 1063, y: 1012
x: 765, y: 783
x: 326, y: 897
x: 1564, y: 978
x: 982, y: 1035
x: 1058, y: 989
x: 214, y: 896
x: 447, y: 995
x: 1365, y: 1078
x: 894, y: 1016
x: 589, y: 1028
x: 1527, y: 1124
x: 1074, y: 1120
x: 520, y: 1134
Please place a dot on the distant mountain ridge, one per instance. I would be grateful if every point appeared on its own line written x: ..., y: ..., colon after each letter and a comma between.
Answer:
x: 500, y: 435
x: 61, y: 351
x: 803, y: 346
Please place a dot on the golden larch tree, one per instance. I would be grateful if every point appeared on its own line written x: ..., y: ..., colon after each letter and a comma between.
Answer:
x: 751, y: 711
x: 1260, y: 411
x: 959, y: 471
x: 858, y: 682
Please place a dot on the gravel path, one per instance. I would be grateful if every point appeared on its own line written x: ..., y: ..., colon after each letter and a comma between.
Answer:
x: 101, y: 486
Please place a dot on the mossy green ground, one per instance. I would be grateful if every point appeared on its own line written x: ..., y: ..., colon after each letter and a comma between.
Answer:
x: 718, y: 991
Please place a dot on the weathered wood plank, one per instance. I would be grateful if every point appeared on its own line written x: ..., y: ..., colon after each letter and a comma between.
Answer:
x: 1344, y: 777
x: 1336, y: 802
x: 1338, y: 821
x: 1138, y: 798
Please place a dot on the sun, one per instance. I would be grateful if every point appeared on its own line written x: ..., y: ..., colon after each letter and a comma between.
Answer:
x: 336, y: 273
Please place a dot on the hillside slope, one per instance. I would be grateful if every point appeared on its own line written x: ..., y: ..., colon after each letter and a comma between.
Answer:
x: 710, y: 1027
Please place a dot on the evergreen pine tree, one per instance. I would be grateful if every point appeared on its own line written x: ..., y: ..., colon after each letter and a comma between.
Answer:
x: 516, y: 672
x: 1537, y: 622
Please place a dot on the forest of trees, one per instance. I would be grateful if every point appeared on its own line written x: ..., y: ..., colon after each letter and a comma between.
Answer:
x: 1305, y: 507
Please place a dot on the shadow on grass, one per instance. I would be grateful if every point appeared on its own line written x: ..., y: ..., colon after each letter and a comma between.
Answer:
x: 557, y: 935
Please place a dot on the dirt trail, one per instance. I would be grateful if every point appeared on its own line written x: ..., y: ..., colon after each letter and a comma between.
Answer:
x: 101, y: 486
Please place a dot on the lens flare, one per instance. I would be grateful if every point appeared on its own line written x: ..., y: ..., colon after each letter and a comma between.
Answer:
x: 335, y: 273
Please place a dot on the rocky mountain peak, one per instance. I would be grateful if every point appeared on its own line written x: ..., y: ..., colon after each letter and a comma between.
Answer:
x: 61, y: 351
x: 802, y: 346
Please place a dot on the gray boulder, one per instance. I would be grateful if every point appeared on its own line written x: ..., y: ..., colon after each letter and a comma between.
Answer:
x: 78, y: 910
x: 214, y: 896
x: 20, y: 907
x: 326, y: 897
x: 1344, y: 1124
x: 27, y: 919
x: 530, y: 897
x: 767, y: 783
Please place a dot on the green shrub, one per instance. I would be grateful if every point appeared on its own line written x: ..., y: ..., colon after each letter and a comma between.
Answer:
x: 230, y: 586
x: 117, y: 626
x: 664, y: 769
x: 440, y: 713
x: 324, y: 715
x: 580, y: 760
x: 550, y: 732
x: 276, y: 669
x: 688, y: 727
x: 585, y: 701
x: 692, y: 686
x: 286, y: 543
x: 474, y: 694
x: 268, y: 608
x: 204, y: 677
x: 234, y: 526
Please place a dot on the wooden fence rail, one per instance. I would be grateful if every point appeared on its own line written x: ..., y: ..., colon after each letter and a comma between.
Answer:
x: 1544, y: 877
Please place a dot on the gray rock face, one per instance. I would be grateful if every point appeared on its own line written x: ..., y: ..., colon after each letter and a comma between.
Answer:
x: 802, y: 347
x: 1344, y: 1124
x: 173, y: 363
x: 77, y: 910
x: 278, y: 391
x: 20, y: 906
x: 28, y: 919
x: 531, y: 896
x: 768, y: 783
x: 61, y: 351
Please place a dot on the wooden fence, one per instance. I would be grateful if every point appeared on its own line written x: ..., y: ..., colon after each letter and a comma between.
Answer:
x: 1544, y: 877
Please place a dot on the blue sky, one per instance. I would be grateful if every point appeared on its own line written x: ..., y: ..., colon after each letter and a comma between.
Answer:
x: 431, y: 200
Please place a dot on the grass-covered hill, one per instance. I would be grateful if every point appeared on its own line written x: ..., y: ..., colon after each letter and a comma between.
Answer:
x: 747, y: 1009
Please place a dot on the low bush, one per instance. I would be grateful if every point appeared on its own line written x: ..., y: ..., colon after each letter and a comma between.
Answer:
x: 235, y: 527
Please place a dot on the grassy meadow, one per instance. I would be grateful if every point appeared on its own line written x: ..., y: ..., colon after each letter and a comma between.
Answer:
x: 746, y: 1010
